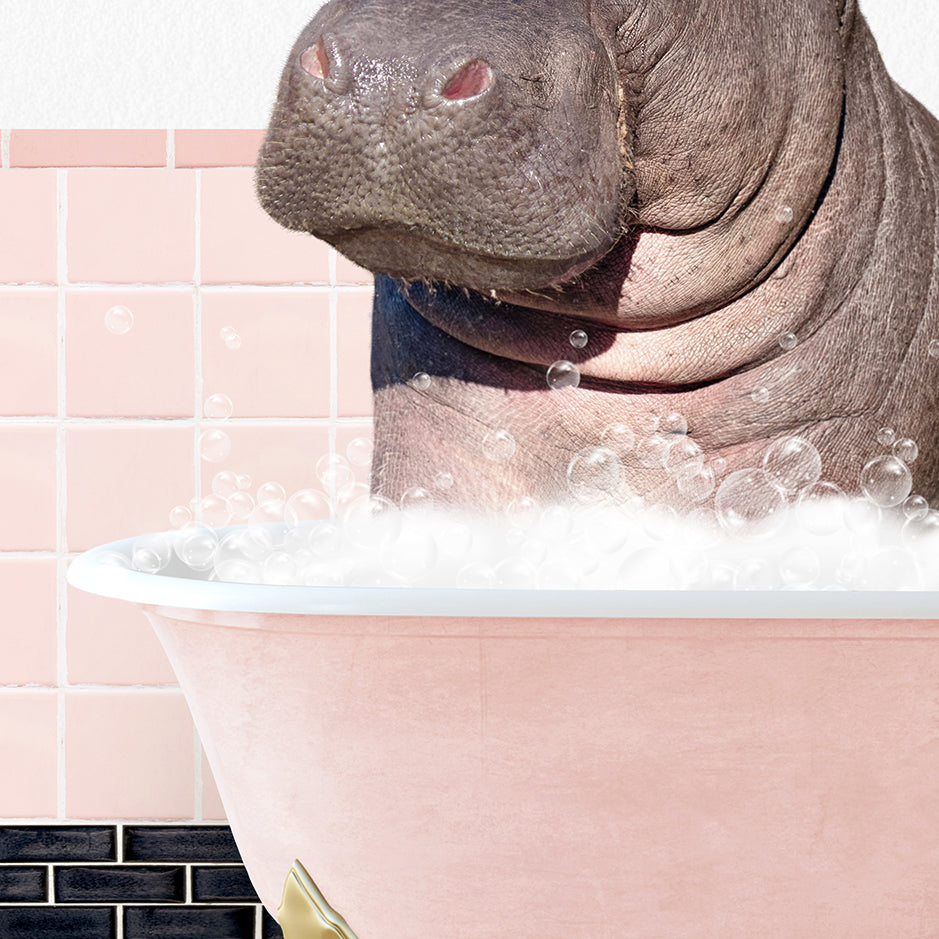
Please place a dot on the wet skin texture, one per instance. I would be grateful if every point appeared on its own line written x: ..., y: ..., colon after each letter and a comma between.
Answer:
x: 514, y: 170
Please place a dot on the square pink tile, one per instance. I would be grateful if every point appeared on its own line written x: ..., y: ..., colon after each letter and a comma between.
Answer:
x: 281, y: 368
x: 28, y: 352
x: 147, y: 371
x: 131, y: 225
x: 242, y: 244
x: 27, y: 481
x: 349, y: 273
x: 128, y: 754
x: 110, y: 642
x: 286, y: 455
x: 353, y: 353
x: 212, y: 808
x: 28, y: 232
x: 218, y: 147
x: 28, y: 742
x: 124, y: 479
x: 109, y: 147
x: 28, y: 623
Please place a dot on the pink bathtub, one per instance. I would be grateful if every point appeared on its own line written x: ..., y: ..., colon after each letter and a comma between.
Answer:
x: 461, y: 764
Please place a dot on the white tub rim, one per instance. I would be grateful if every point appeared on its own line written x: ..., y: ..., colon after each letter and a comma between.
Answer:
x: 92, y: 573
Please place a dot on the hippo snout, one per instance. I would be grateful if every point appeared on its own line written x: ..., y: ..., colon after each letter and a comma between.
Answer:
x: 472, y: 152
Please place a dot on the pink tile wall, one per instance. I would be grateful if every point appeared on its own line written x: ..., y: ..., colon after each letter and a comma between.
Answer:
x: 99, y: 430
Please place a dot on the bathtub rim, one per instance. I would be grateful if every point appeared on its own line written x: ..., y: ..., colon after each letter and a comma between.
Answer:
x: 89, y: 572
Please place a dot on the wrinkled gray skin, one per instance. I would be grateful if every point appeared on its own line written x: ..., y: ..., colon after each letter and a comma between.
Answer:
x: 618, y: 166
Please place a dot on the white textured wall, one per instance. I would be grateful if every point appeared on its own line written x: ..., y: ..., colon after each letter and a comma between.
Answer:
x: 215, y: 63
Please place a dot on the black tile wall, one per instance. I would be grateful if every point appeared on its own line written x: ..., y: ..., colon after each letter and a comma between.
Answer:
x: 141, y: 881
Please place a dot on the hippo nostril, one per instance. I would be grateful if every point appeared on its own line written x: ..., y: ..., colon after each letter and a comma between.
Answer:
x: 468, y: 81
x: 314, y: 60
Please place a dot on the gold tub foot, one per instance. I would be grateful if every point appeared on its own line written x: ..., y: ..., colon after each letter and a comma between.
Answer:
x: 304, y: 913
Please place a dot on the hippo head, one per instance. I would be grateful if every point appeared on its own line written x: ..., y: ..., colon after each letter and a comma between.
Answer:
x: 681, y: 181
x: 446, y: 142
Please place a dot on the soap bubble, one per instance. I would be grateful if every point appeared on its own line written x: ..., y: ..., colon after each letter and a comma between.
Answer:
x: 756, y: 574
x: 197, y: 548
x: 350, y: 493
x: 151, y: 553
x: 522, y: 513
x: 696, y: 483
x: 271, y: 492
x: 454, y: 539
x: 443, y: 480
x: 684, y: 456
x: 649, y: 423
x: 476, y: 575
x: 915, y: 507
x: 244, y: 481
x: 324, y: 539
x: 886, y: 481
x: 372, y: 520
x: 498, y: 446
x: 563, y: 374
x: 653, y: 450
x: 556, y: 523
x: 306, y: 505
x: 271, y: 510
x: 619, y: 438
x: 747, y: 503
x: 718, y: 465
x: 673, y: 423
x: 760, y: 394
x: 922, y: 530
x: 334, y: 472
x: 861, y: 516
x: 906, y: 450
x: 225, y: 484
x: 279, y: 568
x: 933, y: 349
x: 578, y: 339
x: 784, y: 214
x: 886, y: 436
x: 237, y: 571
x: 416, y: 498
x: 119, y: 320
x: 593, y: 473
x: 787, y: 341
x: 230, y: 337
x: 799, y: 567
x: 218, y: 407
x: 359, y: 451
x: 242, y: 505
x: 253, y: 543
x: 420, y: 381
x: 214, y: 510
x: 214, y: 445
x: 792, y: 463
x: 180, y: 516
x: 820, y: 509
x: 516, y: 573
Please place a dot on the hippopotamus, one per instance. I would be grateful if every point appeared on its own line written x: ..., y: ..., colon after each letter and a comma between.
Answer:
x: 713, y: 220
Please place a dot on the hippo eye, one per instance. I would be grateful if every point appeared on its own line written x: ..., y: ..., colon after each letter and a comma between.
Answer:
x: 469, y: 80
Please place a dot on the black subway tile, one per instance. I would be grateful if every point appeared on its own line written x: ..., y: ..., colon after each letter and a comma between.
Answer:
x: 199, y: 843
x: 119, y: 884
x: 270, y: 928
x: 57, y: 843
x: 23, y: 884
x: 25, y: 922
x: 188, y: 922
x: 222, y: 883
